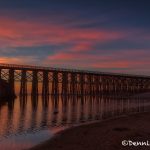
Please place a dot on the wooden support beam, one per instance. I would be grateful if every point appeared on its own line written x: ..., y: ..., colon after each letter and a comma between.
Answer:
x: 35, y: 83
x: 11, y: 81
x: 64, y: 87
x: 55, y: 88
x: 45, y: 86
x: 23, y: 87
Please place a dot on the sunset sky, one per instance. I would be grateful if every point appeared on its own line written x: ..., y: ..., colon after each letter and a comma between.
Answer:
x: 104, y: 35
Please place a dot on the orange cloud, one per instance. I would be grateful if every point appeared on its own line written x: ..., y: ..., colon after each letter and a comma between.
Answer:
x: 18, y: 60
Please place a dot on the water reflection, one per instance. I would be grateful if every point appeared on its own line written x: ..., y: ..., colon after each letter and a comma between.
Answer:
x: 37, y: 116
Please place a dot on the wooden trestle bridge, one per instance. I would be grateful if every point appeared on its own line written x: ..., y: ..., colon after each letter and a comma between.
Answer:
x: 70, y: 81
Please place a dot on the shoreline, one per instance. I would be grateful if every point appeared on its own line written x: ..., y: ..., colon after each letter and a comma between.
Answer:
x: 106, y: 134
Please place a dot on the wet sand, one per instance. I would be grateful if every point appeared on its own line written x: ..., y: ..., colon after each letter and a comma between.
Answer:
x: 106, y: 135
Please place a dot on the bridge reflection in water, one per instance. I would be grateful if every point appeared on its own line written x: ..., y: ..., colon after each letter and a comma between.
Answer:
x: 32, y: 115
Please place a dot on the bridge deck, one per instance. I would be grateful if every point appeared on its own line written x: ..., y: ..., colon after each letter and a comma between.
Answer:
x: 40, y: 68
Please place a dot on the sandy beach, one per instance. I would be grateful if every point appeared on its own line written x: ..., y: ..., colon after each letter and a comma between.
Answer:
x: 106, y: 135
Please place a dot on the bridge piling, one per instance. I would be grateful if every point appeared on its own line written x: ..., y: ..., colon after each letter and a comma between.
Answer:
x: 55, y: 88
x: 45, y: 86
x: 11, y: 81
x: 0, y: 74
x: 35, y: 83
x: 73, y: 84
x: 23, y: 87
x: 64, y: 87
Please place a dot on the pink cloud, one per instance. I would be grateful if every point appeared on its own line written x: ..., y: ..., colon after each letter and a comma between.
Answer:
x: 74, y: 56
x: 112, y: 64
x: 15, y: 33
x: 119, y: 60
x: 61, y: 57
x: 82, y: 47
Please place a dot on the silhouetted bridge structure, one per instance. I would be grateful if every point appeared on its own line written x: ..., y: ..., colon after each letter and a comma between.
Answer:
x: 70, y: 81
